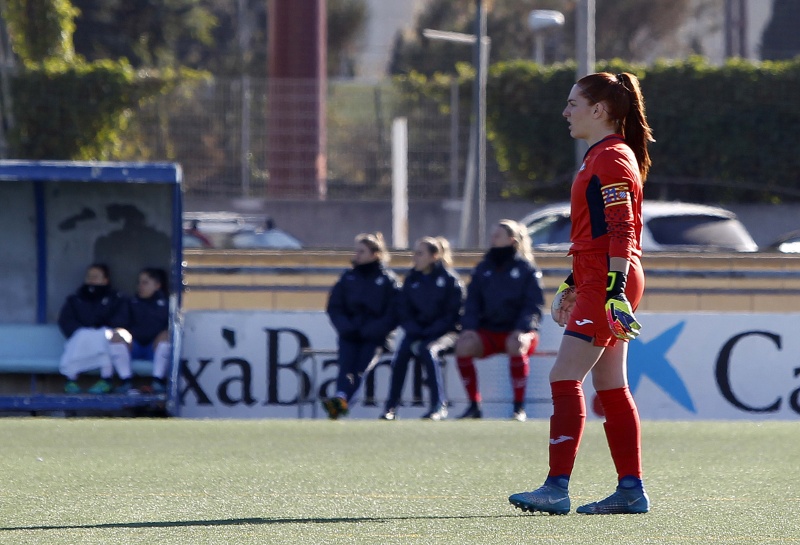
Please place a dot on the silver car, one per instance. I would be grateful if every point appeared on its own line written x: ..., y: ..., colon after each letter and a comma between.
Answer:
x: 668, y: 226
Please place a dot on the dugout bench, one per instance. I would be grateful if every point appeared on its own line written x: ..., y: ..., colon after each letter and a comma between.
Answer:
x: 59, y: 217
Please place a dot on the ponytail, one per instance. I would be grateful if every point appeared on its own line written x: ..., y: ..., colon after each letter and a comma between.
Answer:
x: 622, y: 96
x: 635, y: 130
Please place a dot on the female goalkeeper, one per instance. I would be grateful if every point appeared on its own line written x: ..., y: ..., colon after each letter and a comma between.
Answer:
x: 596, y: 302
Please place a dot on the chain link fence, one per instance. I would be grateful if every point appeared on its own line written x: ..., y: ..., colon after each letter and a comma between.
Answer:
x: 226, y: 134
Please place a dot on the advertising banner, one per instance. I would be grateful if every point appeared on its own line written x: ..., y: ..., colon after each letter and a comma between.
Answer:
x: 683, y: 366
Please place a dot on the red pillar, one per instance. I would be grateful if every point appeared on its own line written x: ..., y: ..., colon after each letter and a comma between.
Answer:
x: 297, y: 89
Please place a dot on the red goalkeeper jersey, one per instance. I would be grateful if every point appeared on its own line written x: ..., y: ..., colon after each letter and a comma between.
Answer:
x: 606, y: 201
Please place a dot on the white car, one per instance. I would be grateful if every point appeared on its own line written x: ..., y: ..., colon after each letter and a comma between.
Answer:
x: 788, y: 243
x: 668, y: 226
x: 233, y: 230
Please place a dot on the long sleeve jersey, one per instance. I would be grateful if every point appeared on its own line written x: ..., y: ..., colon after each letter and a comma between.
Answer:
x: 606, y: 201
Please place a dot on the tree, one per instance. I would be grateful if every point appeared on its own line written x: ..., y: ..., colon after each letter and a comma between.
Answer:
x: 209, y: 35
x: 41, y: 29
x: 64, y: 107
x: 146, y: 32
x: 345, y: 21
x: 625, y: 29
x: 780, y: 39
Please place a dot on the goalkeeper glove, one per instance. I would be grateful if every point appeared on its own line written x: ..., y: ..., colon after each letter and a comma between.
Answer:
x: 619, y: 311
x: 566, y: 288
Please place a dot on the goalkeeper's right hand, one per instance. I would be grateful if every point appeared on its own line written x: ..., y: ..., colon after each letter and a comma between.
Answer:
x: 563, y: 301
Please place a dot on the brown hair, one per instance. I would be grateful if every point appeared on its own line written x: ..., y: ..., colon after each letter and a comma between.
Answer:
x: 522, y: 241
x: 159, y: 275
x: 376, y: 244
x: 440, y: 248
x: 622, y: 96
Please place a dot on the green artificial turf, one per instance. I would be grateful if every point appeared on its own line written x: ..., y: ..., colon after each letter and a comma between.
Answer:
x: 173, y: 481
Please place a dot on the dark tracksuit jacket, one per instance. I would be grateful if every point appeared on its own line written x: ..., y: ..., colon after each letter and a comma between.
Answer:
x: 93, y: 306
x: 504, y: 296
x: 363, y: 309
x: 429, y: 310
x: 149, y: 317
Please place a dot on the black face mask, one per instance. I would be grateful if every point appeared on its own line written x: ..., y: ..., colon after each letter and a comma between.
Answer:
x: 93, y: 293
x: 501, y: 255
x: 368, y: 268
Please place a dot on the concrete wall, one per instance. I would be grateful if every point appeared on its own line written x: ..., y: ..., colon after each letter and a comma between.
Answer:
x: 18, y: 251
x: 127, y: 226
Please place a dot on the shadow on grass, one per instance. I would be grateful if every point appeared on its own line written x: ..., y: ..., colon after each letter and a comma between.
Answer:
x: 242, y: 522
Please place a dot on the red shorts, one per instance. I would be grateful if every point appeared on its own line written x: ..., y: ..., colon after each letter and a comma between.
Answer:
x: 588, y: 318
x: 494, y: 342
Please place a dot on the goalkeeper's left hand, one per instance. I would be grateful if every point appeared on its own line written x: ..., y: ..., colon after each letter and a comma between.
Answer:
x: 619, y: 311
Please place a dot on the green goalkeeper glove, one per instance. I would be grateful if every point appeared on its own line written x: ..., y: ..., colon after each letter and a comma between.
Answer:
x: 619, y: 312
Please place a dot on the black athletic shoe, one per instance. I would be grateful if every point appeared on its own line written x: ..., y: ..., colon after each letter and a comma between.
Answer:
x: 335, y: 407
x: 473, y: 411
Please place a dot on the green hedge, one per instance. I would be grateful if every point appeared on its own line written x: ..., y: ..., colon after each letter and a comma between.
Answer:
x: 724, y: 134
x: 63, y: 107
x: 77, y: 110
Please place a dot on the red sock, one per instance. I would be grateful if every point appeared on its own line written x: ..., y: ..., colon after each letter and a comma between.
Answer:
x: 520, y: 369
x: 622, y: 431
x: 469, y: 377
x: 566, y: 425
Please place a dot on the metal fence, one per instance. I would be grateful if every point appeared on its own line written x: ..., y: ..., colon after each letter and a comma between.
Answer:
x: 219, y: 131
x: 229, y: 135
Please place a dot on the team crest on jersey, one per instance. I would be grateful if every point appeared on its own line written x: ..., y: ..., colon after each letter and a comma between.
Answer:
x: 440, y: 281
x: 487, y: 273
x: 379, y: 281
x: 615, y: 194
x: 515, y: 273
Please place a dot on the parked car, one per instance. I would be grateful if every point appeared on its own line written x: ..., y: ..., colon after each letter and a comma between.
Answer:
x: 232, y: 230
x: 788, y: 243
x: 668, y: 226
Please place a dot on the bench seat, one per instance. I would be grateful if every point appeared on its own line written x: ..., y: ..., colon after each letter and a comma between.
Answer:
x: 49, y: 366
x: 35, y: 350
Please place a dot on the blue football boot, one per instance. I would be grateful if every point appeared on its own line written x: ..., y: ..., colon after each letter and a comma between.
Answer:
x: 552, y: 497
x: 629, y: 498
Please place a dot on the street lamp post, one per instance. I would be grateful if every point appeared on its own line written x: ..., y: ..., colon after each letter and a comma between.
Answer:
x: 477, y: 155
x: 482, y: 64
x: 584, y: 46
x: 541, y: 22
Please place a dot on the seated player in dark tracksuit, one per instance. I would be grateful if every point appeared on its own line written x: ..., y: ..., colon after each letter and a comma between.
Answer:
x: 429, y: 309
x: 149, y: 325
x: 362, y: 309
x: 92, y: 319
x: 502, y: 314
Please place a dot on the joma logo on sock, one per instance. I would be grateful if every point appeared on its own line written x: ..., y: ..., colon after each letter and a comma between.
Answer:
x: 561, y: 439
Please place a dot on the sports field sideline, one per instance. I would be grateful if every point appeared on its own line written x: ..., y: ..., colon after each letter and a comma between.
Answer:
x: 174, y: 481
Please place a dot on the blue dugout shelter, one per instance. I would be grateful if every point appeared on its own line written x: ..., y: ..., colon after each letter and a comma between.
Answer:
x: 60, y: 216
